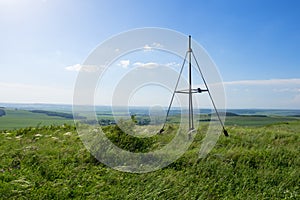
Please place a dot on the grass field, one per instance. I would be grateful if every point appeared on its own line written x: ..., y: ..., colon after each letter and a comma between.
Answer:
x: 22, y: 117
x: 15, y: 118
x: 256, y: 121
x: 50, y: 162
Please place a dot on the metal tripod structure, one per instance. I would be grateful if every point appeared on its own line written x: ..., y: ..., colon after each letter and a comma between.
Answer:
x: 190, y: 91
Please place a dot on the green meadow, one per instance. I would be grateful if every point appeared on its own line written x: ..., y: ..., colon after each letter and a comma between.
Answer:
x: 257, y: 161
x: 16, y: 118
x: 22, y: 118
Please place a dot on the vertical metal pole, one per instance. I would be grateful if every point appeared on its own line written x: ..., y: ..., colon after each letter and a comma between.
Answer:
x: 191, y: 117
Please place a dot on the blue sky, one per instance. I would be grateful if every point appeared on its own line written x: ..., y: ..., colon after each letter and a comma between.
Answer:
x: 255, y: 44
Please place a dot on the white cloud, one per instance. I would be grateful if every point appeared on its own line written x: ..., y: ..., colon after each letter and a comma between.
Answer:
x: 157, y: 45
x: 148, y: 47
x: 172, y: 64
x: 148, y: 65
x: 151, y: 65
x: 76, y: 67
x: 294, y: 90
x: 84, y: 68
x: 264, y: 82
x: 124, y: 63
x: 269, y: 93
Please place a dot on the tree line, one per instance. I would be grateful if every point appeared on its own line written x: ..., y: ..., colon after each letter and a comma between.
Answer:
x: 2, y: 112
x: 57, y: 114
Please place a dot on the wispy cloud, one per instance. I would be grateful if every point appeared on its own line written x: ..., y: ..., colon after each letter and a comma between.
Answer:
x: 264, y: 82
x: 124, y: 63
x: 149, y: 47
x: 157, y: 45
x: 150, y: 65
x: 291, y: 89
x: 268, y: 93
x: 84, y: 68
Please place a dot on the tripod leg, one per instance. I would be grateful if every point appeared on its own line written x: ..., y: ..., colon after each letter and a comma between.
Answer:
x: 224, y: 130
x: 162, y: 129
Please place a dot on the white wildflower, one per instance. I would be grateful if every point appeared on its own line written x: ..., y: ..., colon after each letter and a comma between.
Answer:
x: 18, y: 137
x: 68, y: 133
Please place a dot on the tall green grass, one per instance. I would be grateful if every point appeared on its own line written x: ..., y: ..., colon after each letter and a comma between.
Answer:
x: 50, y: 162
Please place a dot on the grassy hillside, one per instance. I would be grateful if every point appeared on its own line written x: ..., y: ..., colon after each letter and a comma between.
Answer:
x: 50, y: 162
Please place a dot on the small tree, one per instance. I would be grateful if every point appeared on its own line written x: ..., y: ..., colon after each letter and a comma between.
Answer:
x: 2, y: 112
x: 133, y: 119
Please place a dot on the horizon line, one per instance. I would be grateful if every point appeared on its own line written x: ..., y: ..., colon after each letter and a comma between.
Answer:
x: 146, y: 106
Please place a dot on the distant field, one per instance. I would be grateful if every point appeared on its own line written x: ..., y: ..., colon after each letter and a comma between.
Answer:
x: 19, y: 115
x: 256, y: 121
x: 15, y: 118
x: 239, y: 120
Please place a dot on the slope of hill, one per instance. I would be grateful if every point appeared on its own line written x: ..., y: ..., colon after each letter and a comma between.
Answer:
x: 50, y: 162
